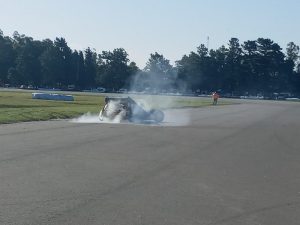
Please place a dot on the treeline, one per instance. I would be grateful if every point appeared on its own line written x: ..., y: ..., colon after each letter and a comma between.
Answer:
x: 50, y: 63
x: 256, y: 66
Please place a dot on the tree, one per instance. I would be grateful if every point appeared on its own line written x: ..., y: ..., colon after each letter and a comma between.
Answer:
x: 292, y: 66
x: 233, y: 77
x: 196, y: 71
x: 52, y: 67
x: 13, y: 76
x: 64, y: 55
x: 292, y: 55
x: 206, y: 69
x: 133, y: 68
x: 292, y: 52
x: 7, y: 57
x: 134, y: 75
x: 202, y: 51
x: 218, y: 64
x: 90, y: 65
x: 256, y: 66
x: 27, y: 61
x: 249, y: 66
x: 161, y: 74
x: 159, y: 65
x: 78, y: 70
x: 189, y: 74
x: 270, y: 66
x: 113, y: 71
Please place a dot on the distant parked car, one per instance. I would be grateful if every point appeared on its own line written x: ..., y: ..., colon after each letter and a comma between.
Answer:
x: 101, y: 89
x: 96, y: 90
x: 122, y: 90
x: 71, y: 87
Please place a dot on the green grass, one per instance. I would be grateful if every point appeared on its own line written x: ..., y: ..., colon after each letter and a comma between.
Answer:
x: 164, y: 102
x: 20, y: 107
x: 17, y: 106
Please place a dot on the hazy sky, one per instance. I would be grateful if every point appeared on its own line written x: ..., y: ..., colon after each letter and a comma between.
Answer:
x: 170, y: 27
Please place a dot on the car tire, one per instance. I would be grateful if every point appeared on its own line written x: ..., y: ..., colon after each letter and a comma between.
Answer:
x: 157, y: 115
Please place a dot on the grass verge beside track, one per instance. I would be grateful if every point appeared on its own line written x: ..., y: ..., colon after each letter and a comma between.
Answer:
x: 18, y: 106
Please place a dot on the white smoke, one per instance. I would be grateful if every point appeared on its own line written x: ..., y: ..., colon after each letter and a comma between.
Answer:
x: 153, y: 92
x: 112, y: 106
x: 173, y: 117
x: 87, y: 118
x: 111, y: 116
x: 177, y: 117
x: 160, y: 92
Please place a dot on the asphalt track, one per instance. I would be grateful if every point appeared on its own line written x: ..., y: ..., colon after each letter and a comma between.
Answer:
x: 234, y: 164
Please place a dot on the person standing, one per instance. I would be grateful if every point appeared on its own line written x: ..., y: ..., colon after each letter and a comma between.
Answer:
x: 215, y: 97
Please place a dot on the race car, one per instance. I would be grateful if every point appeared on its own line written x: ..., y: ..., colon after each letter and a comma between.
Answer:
x: 120, y: 108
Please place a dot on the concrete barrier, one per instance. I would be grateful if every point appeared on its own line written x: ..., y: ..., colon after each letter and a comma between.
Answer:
x: 57, y: 97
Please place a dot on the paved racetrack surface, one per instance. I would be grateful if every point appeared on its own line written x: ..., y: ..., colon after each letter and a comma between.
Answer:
x: 222, y: 165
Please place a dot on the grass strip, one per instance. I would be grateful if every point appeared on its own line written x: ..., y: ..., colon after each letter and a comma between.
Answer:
x: 18, y: 106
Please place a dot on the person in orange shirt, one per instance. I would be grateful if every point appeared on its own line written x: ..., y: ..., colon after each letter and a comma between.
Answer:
x: 215, y: 97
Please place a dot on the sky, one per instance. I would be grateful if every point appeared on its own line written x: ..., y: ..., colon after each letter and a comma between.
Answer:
x: 170, y: 27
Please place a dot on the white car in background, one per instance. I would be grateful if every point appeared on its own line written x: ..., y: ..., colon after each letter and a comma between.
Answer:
x: 122, y: 90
